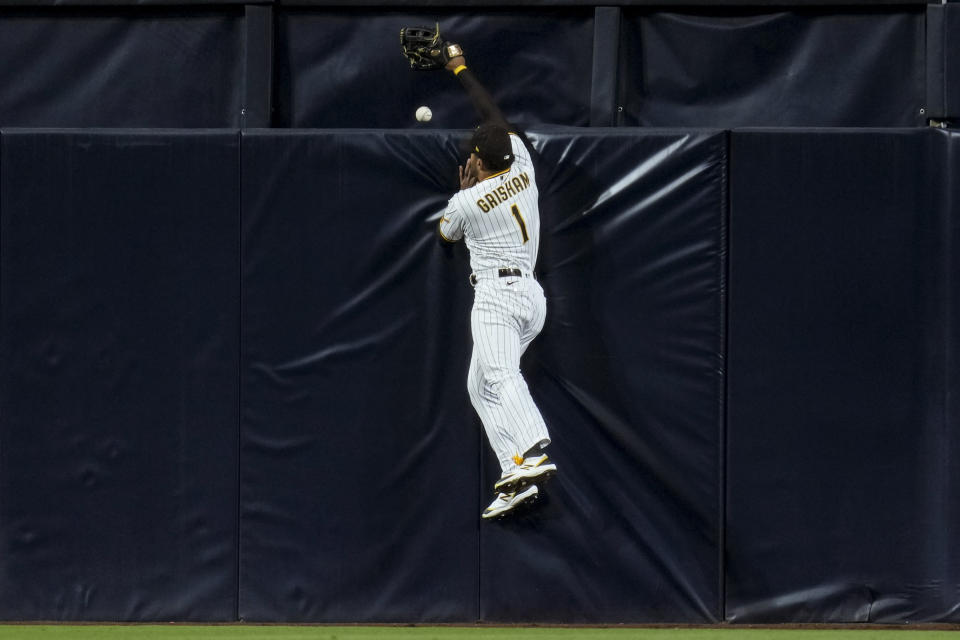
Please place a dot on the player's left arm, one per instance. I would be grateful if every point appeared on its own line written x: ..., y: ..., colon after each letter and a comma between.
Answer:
x: 450, y: 228
x: 482, y: 101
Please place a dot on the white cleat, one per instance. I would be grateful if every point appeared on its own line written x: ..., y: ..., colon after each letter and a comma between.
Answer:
x: 530, y: 470
x: 504, y: 503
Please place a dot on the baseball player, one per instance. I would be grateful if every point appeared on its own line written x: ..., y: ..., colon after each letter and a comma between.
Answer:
x: 497, y: 214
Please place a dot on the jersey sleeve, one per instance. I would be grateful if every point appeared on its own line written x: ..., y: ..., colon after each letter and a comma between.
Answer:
x: 451, y: 223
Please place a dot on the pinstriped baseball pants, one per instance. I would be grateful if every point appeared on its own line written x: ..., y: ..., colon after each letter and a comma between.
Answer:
x: 508, y: 313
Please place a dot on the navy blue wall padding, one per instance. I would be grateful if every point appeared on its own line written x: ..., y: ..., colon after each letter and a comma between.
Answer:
x: 118, y: 391
x: 951, y: 62
x: 364, y: 467
x: 121, y: 67
x: 948, y: 455
x: 753, y: 67
x: 571, y: 65
x: 360, y: 460
x: 344, y: 68
x: 232, y: 380
x: 628, y: 374
x: 937, y: 43
x: 841, y: 477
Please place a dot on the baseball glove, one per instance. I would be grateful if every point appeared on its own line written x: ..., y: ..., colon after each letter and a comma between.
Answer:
x: 425, y: 49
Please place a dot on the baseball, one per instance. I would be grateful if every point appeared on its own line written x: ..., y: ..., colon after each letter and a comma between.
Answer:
x: 424, y: 114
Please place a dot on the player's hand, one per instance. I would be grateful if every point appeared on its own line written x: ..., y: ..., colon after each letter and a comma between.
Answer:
x: 468, y: 174
x: 456, y: 62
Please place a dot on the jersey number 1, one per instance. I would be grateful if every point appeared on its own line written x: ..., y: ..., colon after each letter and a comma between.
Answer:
x: 523, y: 226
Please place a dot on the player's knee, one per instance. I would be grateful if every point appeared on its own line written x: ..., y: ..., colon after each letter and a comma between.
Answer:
x: 498, y: 380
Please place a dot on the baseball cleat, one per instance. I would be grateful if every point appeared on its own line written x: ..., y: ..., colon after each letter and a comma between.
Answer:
x: 505, y: 503
x: 530, y: 470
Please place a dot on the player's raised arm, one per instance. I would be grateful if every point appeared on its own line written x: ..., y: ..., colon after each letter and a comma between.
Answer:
x: 482, y: 100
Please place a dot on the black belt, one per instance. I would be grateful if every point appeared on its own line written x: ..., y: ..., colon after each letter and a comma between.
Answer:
x: 503, y: 273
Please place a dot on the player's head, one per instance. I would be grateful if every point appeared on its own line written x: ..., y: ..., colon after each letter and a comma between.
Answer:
x: 491, y: 143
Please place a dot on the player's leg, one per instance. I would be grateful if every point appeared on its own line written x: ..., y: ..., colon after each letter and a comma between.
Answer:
x: 504, y: 502
x: 535, y: 465
x: 531, y: 324
x: 484, y: 402
x: 497, y: 348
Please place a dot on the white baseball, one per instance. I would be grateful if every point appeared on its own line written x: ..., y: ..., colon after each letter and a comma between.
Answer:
x: 424, y: 114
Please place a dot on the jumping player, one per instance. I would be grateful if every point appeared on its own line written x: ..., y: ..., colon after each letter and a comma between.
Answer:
x: 497, y: 214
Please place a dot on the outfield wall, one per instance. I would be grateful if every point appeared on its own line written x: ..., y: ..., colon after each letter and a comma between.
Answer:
x: 233, y: 358
x: 233, y: 380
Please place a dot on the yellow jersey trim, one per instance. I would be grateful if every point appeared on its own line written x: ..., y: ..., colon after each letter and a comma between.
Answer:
x: 457, y: 71
x: 494, y: 175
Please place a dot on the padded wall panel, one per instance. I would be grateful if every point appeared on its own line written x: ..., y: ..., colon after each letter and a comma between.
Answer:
x: 754, y: 67
x: 364, y: 466
x: 841, y: 484
x: 628, y: 374
x: 360, y: 457
x: 948, y: 453
x: 951, y: 61
x: 344, y: 68
x: 118, y: 390
x: 121, y: 67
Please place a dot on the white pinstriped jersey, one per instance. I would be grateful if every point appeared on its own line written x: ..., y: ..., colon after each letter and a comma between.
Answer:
x: 499, y: 218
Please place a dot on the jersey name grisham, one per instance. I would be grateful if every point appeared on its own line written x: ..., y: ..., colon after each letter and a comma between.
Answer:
x: 504, y: 192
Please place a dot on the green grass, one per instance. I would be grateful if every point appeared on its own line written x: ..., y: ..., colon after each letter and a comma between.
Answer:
x: 271, y: 632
